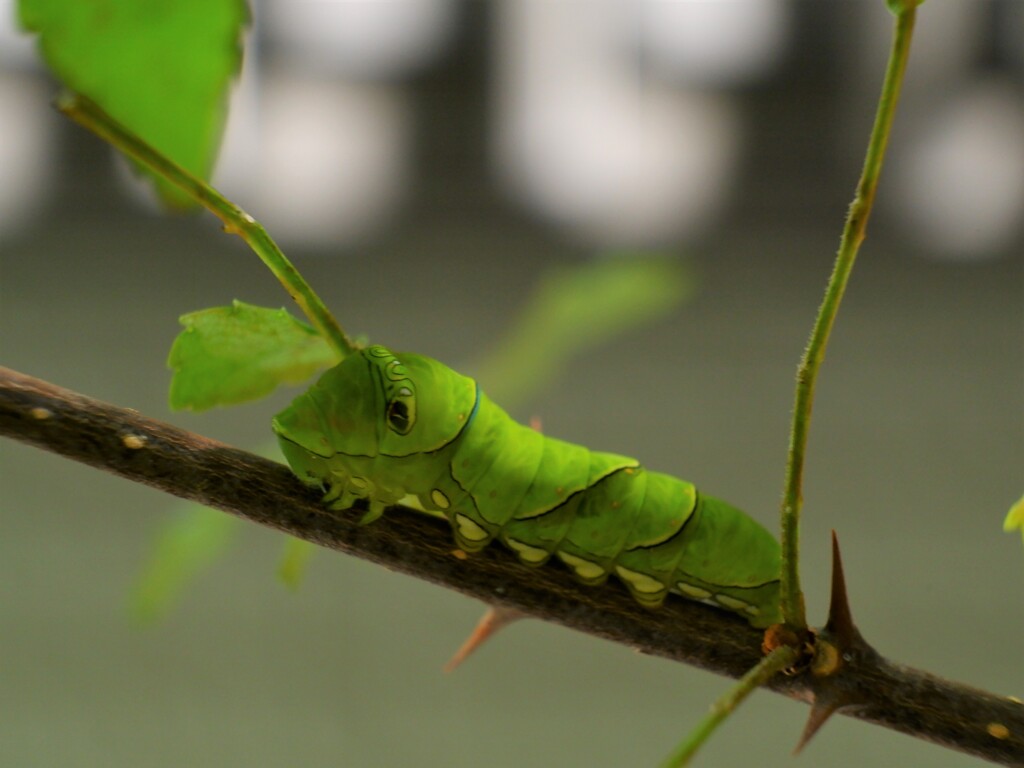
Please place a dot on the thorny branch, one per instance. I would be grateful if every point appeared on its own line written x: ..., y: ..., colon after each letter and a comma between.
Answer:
x: 193, y: 467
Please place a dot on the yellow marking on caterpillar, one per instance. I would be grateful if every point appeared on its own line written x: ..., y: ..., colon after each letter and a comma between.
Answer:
x: 41, y: 414
x: 585, y: 569
x: 439, y: 499
x: 731, y: 602
x: 641, y: 582
x: 527, y: 554
x: 469, y: 529
x: 691, y: 591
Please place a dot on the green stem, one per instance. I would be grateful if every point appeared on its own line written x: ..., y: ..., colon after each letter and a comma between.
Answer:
x: 782, y: 657
x: 853, y: 235
x: 236, y: 221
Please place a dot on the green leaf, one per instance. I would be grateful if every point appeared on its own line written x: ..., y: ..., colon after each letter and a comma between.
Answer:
x: 1015, y: 518
x: 189, y: 544
x: 577, y: 308
x: 231, y: 355
x: 161, y: 68
x: 296, y: 556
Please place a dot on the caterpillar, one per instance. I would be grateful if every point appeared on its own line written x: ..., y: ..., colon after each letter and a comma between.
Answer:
x: 379, y: 427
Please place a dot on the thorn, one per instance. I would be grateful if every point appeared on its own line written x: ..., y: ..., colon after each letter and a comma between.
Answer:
x: 494, y: 618
x: 840, y: 620
x: 838, y: 645
x: 535, y: 424
x: 821, y: 711
x: 840, y: 633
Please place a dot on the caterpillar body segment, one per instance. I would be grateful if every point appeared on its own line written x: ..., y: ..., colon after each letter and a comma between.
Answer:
x: 380, y: 426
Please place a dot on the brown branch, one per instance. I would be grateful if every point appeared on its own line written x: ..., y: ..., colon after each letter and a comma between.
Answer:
x: 196, y: 468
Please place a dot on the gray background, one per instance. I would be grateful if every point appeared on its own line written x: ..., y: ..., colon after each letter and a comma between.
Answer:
x: 915, y: 455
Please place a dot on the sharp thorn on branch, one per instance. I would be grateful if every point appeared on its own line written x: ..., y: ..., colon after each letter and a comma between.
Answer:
x: 496, y: 617
x: 838, y: 645
x: 821, y: 711
x: 840, y: 620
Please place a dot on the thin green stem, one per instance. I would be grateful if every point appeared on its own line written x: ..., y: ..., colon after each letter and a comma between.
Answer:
x: 236, y: 221
x: 853, y: 235
x: 776, y: 661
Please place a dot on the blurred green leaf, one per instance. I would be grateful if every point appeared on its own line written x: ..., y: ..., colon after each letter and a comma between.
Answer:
x: 231, y: 355
x: 296, y: 556
x: 190, y: 543
x: 575, y: 309
x: 1015, y: 518
x: 162, y: 69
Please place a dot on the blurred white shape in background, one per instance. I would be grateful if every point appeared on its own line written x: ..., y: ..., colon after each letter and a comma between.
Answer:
x: 319, y: 161
x: 961, y: 184
x: 957, y: 154
x: 372, y: 38
x: 17, y: 50
x: 611, y: 117
x: 585, y: 139
x: 322, y: 157
x: 318, y: 140
x: 26, y: 148
x: 715, y: 42
x: 26, y: 128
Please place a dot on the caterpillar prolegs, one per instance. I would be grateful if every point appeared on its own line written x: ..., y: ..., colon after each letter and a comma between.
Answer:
x: 380, y: 426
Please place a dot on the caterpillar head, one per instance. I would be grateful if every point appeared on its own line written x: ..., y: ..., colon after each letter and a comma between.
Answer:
x: 371, y: 411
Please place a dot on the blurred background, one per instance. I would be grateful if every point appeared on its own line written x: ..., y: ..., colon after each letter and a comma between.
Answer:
x: 424, y: 162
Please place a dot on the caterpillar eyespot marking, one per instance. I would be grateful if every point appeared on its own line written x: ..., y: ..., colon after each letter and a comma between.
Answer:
x: 390, y: 425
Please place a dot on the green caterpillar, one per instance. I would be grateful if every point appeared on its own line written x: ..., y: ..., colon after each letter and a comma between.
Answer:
x: 378, y: 427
